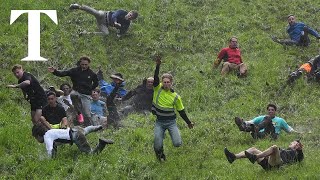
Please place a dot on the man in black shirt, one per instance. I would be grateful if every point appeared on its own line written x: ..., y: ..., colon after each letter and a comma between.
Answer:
x: 54, y: 113
x: 32, y: 91
x: 142, y: 98
x: 119, y: 19
x: 84, y: 80
x: 271, y: 157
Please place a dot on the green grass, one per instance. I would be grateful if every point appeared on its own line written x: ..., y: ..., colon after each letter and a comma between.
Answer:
x: 189, y: 34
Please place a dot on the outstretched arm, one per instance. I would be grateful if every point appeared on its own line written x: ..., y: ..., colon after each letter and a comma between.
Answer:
x: 21, y: 85
x: 156, y: 81
x: 54, y: 71
x: 313, y: 32
x: 185, y: 118
x: 129, y: 95
x: 216, y: 63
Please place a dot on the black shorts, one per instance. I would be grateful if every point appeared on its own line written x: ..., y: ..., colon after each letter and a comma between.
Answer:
x: 265, y: 164
x: 37, y: 104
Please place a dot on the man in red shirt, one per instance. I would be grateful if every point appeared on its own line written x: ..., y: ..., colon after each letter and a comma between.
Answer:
x: 232, y: 59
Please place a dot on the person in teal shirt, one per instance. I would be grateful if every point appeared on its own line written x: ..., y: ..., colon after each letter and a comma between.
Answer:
x: 265, y: 125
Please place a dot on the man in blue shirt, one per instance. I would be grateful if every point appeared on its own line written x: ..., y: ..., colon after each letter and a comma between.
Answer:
x: 107, y: 88
x: 98, y: 108
x: 120, y: 19
x: 266, y: 125
x: 298, y: 33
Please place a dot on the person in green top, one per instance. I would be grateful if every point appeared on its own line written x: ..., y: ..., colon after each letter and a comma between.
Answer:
x: 165, y: 102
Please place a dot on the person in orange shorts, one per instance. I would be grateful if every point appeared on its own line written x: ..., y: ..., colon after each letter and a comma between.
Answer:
x: 310, y: 68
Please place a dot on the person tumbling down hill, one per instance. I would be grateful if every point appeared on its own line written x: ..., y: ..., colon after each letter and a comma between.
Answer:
x: 120, y: 19
x: 298, y: 33
x: 266, y: 125
x: 273, y: 157
x: 311, y: 68
x: 42, y: 132
x: 142, y: 98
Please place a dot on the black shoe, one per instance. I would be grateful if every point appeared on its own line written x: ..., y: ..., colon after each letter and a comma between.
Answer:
x: 230, y: 156
x: 239, y: 122
x: 74, y: 6
x: 275, y: 39
x: 106, y: 141
x: 251, y: 157
x: 100, y: 127
x: 163, y: 157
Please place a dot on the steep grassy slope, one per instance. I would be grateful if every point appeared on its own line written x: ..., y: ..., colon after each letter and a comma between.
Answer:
x: 189, y: 34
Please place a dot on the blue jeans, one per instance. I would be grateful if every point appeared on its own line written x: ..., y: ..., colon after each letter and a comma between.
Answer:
x: 159, y: 130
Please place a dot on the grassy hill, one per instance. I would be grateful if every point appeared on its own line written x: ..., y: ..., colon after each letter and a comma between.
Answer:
x: 189, y: 34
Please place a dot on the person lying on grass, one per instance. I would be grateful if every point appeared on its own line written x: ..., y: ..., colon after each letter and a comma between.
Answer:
x: 42, y: 132
x: 298, y: 33
x: 310, y: 68
x: 273, y: 157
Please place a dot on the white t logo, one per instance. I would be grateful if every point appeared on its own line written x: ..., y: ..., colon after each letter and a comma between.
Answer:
x: 34, y: 30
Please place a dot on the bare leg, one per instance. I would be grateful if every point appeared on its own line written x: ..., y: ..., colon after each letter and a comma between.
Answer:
x: 45, y: 122
x: 35, y: 116
x: 252, y: 150
x: 273, y: 153
x: 243, y: 69
x: 225, y: 68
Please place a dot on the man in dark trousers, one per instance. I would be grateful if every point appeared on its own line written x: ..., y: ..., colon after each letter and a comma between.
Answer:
x: 265, y: 125
x: 32, y: 91
x: 298, y: 33
x: 120, y: 19
x: 310, y: 68
x: 84, y: 80
x: 142, y: 98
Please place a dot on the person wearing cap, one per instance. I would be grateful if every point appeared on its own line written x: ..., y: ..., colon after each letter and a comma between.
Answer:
x: 120, y: 19
x: 106, y: 88
x: 232, y: 59
x: 32, y: 91
x: 113, y: 116
x: 142, y: 98
x: 165, y: 102
x: 84, y: 80
x: 298, y: 33
x: 265, y: 125
x: 311, y: 68
x: 273, y: 157
x: 54, y: 113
